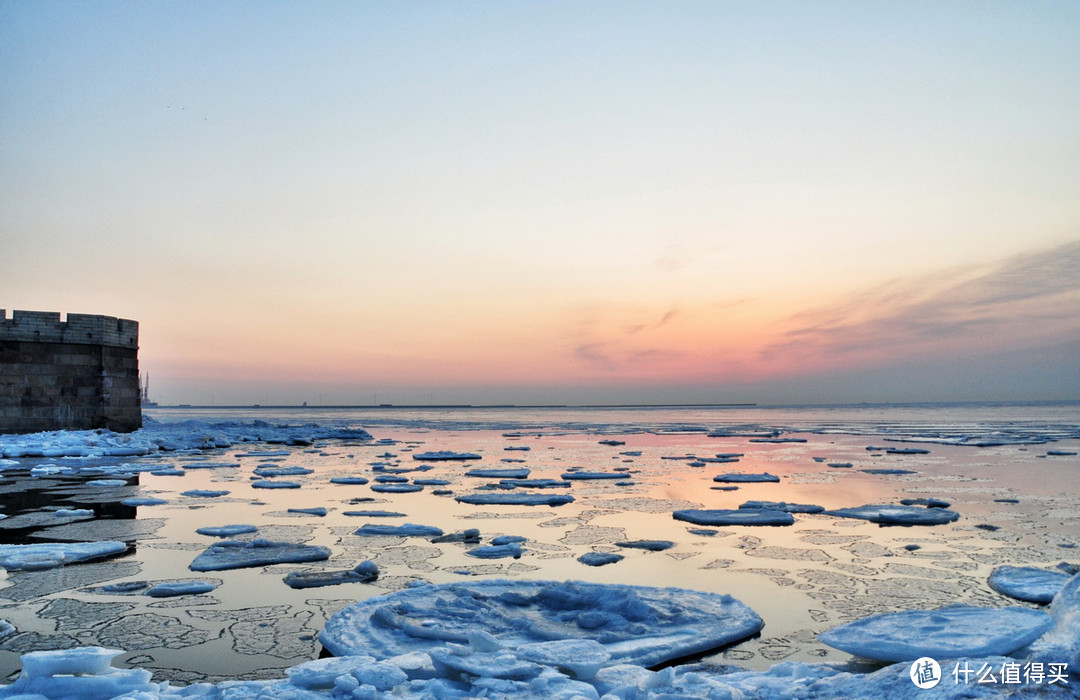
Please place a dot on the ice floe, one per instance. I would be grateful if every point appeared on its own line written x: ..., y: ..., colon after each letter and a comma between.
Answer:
x: 897, y: 515
x: 231, y: 554
x: 515, y: 499
x: 945, y: 633
x: 599, y: 558
x: 49, y: 555
x: 781, y: 505
x: 364, y: 572
x: 171, y: 589
x: 636, y: 624
x: 1028, y: 583
x: 406, y: 530
x: 444, y: 456
x: 742, y: 516
x: 521, y: 473
x: 740, y: 478
x: 226, y: 530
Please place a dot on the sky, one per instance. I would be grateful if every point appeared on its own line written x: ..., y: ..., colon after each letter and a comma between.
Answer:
x: 575, y: 202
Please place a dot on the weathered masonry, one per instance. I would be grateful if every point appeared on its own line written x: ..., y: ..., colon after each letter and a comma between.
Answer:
x: 75, y: 374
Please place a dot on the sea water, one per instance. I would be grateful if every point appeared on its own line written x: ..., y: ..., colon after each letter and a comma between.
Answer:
x: 1018, y: 497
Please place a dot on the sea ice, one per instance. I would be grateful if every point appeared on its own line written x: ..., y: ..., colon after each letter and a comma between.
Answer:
x: 349, y: 480
x: 593, y: 475
x: 635, y: 624
x: 316, y: 510
x: 497, y: 551
x: 649, y: 545
x: 1028, y: 583
x: 743, y: 516
x: 897, y: 515
x: 178, y: 588
x: 599, y: 558
x: 515, y: 499
x: 443, y: 456
x: 204, y: 493
x: 48, y: 555
x: 231, y: 554
x: 226, y: 530
x: 406, y: 530
x: 364, y: 572
x: 396, y: 488
x: 282, y: 471
x: 535, y: 483
x: 945, y: 633
x: 745, y: 478
x: 143, y: 501
x: 499, y: 473
x: 781, y: 505
x: 274, y: 484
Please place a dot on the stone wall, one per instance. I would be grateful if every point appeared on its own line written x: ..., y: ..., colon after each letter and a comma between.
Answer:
x: 75, y: 374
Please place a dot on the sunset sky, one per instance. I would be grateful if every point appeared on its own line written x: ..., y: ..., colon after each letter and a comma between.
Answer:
x: 553, y: 202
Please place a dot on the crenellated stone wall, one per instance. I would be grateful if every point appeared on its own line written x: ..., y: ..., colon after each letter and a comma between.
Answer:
x: 73, y: 374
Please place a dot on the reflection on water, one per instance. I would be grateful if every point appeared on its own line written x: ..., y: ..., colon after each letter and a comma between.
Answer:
x: 802, y: 579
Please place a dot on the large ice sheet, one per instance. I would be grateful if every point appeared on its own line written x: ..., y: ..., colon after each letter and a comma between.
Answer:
x: 945, y: 633
x: 636, y: 624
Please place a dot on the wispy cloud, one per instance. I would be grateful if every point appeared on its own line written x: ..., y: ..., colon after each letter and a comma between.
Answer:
x: 1026, y: 299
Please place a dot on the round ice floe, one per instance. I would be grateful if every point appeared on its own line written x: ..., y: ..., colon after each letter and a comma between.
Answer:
x: 746, y: 516
x: 406, y: 530
x: 1028, y: 583
x: 635, y: 624
x: 946, y: 633
x: 897, y: 515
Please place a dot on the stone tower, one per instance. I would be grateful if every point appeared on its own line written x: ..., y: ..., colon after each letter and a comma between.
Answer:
x: 75, y: 374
